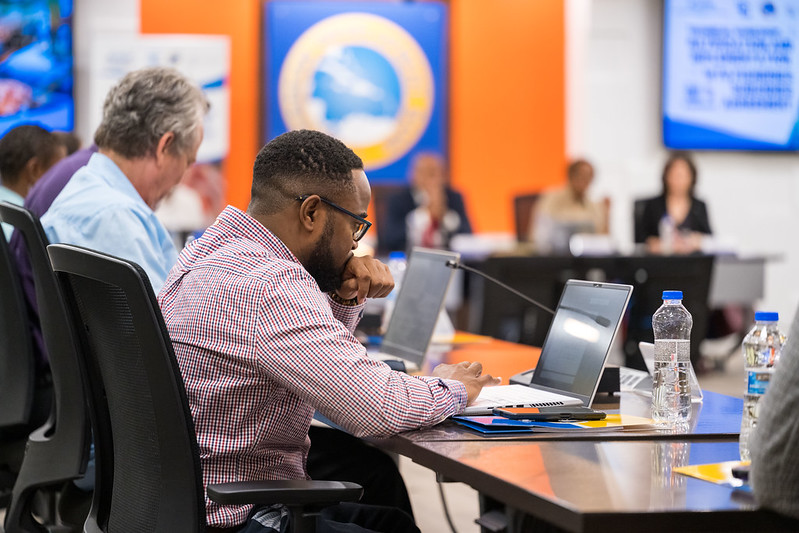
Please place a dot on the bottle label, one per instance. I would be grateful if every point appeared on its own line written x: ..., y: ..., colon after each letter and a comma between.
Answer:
x: 757, y: 382
x: 677, y: 350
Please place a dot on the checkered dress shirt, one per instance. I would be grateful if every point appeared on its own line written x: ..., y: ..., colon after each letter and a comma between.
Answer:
x: 260, y: 347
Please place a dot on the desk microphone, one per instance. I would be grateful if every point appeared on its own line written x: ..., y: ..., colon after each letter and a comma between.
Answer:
x: 456, y: 265
x: 601, y: 320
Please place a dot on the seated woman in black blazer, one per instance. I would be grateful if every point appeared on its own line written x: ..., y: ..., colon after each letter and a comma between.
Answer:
x: 677, y: 201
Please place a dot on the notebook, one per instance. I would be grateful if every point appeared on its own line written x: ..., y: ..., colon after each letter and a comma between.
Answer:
x: 573, y: 355
x: 416, y: 309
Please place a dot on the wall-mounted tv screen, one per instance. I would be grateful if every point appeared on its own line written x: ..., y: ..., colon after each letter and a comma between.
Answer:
x: 731, y: 74
x: 36, y: 64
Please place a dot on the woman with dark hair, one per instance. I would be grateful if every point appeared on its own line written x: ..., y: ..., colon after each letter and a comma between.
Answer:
x: 675, y: 211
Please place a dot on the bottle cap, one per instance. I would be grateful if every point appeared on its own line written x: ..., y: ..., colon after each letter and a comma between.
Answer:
x: 766, y: 316
x: 672, y: 295
x: 396, y: 255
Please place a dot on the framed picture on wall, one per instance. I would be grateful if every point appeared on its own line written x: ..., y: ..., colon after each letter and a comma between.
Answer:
x: 372, y: 74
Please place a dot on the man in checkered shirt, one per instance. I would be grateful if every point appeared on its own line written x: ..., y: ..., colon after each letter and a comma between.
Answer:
x: 261, y: 311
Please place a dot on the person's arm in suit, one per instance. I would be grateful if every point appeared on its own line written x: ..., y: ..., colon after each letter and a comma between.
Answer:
x: 457, y: 204
x: 775, y: 470
x: 701, y: 220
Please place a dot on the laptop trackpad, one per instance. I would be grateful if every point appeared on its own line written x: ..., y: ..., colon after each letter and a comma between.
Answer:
x: 523, y: 378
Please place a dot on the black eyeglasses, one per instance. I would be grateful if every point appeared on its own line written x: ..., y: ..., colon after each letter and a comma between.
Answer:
x: 363, y: 224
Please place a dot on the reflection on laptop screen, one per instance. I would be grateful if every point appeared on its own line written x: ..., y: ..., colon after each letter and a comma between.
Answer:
x: 578, y: 341
x: 418, y: 303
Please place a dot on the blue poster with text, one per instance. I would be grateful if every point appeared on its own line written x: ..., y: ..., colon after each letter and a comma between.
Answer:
x: 730, y: 73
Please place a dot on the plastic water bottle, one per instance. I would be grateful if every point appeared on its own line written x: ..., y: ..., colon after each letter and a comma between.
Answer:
x: 666, y: 231
x: 397, y: 263
x: 761, y: 349
x: 671, y: 387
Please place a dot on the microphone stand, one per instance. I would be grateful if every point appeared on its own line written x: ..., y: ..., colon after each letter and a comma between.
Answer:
x: 456, y: 265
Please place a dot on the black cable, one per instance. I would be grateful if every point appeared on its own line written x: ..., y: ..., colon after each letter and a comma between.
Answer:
x: 455, y: 264
x: 446, y: 509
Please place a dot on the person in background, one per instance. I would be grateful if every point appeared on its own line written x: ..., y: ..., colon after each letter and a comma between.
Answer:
x: 293, y: 292
x: 26, y: 152
x: 774, y: 472
x: 561, y: 212
x: 151, y: 130
x: 676, y: 210
x: 38, y: 202
x: 70, y: 140
x: 428, y: 213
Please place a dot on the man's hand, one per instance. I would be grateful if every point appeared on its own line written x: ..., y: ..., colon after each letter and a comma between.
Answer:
x: 365, y: 277
x: 468, y: 373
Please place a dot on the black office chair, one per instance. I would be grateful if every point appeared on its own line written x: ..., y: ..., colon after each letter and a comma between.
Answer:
x: 58, y: 450
x: 16, y: 374
x: 650, y: 276
x: 147, y: 460
x: 523, y: 215
x: 381, y: 195
x: 639, y: 232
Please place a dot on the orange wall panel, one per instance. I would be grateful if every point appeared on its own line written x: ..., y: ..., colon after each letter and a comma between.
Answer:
x: 507, y: 107
x: 241, y: 20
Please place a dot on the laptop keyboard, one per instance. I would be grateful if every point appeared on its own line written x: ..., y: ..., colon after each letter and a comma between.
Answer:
x: 629, y: 378
x: 518, y: 396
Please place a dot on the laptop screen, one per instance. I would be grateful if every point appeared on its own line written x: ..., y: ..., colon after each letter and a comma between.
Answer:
x: 418, y: 303
x: 579, y: 339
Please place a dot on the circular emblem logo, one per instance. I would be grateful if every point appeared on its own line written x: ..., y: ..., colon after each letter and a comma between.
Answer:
x: 362, y: 79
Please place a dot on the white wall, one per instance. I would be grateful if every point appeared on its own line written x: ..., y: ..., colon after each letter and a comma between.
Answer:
x: 93, y: 18
x: 613, y: 95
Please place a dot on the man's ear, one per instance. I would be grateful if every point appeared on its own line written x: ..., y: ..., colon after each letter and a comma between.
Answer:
x: 32, y: 170
x: 166, y: 146
x: 310, y: 212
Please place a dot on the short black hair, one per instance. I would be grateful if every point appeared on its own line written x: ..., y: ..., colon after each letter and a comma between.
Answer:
x: 673, y: 158
x: 19, y: 145
x: 69, y: 139
x: 301, y: 162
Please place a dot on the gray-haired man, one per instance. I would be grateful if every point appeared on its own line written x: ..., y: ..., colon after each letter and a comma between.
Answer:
x: 149, y: 135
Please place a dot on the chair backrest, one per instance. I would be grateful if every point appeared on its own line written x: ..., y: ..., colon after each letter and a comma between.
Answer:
x: 523, y: 213
x: 58, y: 450
x: 148, y: 469
x: 639, y: 232
x: 650, y: 276
x: 381, y: 193
x: 16, y: 350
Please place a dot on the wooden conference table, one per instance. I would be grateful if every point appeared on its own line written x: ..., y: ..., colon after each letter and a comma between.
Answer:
x: 597, y: 483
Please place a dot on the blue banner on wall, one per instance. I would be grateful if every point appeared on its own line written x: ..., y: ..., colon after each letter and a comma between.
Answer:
x: 370, y: 74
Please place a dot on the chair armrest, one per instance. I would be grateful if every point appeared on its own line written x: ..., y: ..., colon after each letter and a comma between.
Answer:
x: 287, y: 492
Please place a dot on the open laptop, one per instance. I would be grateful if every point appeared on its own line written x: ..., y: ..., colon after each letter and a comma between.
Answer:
x: 573, y: 355
x: 416, y: 309
x: 640, y: 381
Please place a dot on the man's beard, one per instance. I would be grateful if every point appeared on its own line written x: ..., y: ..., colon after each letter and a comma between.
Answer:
x: 321, y: 264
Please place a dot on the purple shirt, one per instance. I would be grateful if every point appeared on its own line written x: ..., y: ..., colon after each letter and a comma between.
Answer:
x: 38, y: 201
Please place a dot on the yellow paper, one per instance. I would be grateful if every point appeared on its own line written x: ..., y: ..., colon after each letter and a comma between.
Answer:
x: 718, y: 473
x: 617, y: 421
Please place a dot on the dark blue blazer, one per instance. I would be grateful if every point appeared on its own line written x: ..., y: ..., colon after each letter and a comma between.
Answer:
x: 393, y: 235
